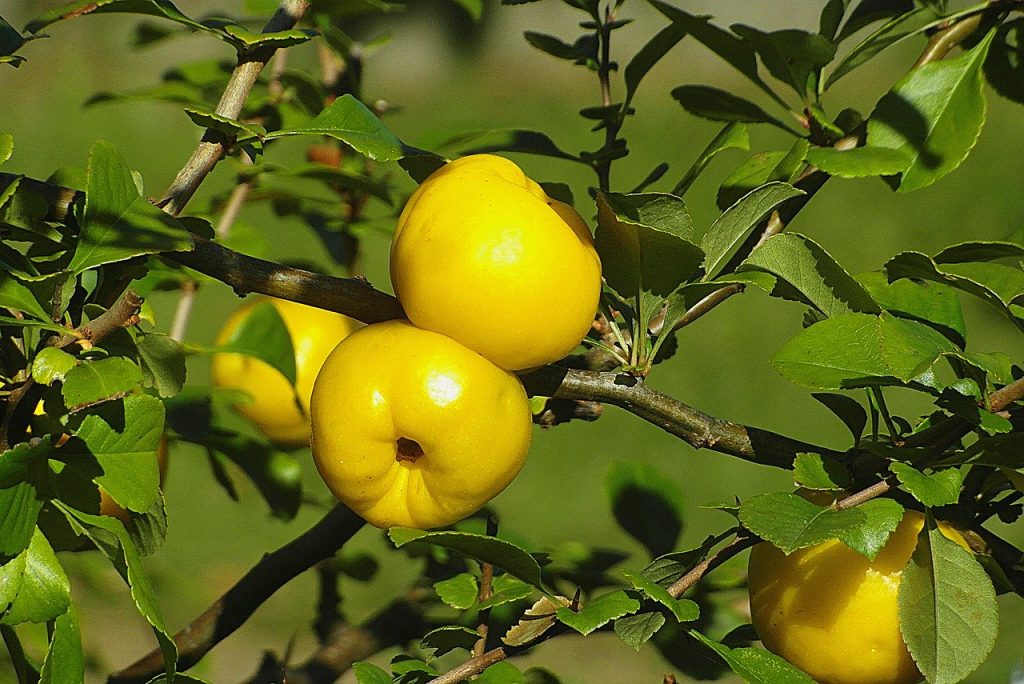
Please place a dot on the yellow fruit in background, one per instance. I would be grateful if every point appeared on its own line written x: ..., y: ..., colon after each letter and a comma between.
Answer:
x: 833, y: 613
x: 484, y: 256
x: 280, y: 411
x: 411, y: 428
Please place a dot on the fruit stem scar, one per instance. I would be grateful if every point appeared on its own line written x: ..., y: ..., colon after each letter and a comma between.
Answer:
x: 408, y: 450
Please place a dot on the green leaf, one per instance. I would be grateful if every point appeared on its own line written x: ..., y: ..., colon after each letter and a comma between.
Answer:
x: 501, y: 673
x: 64, y: 660
x: 598, y: 612
x: 735, y: 52
x: 931, y: 303
x: 153, y: 8
x: 669, y: 568
x: 505, y: 555
x: 790, y: 55
x: 848, y: 410
x: 350, y: 121
x: 118, y: 223
x: 459, y: 591
x: 996, y: 284
x: 636, y: 630
x: 755, y: 665
x: 868, y: 12
x: 247, y: 42
x: 446, y: 639
x: 947, y: 607
x: 368, y: 673
x: 1004, y: 68
x: 814, y: 471
x: 979, y: 250
x: 731, y: 229
x: 6, y: 139
x: 934, y: 114
x: 791, y: 522
x: 720, y: 105
x: 16, y: 461
x: 812, y: 272
x: 940, y: 488
x: 517, y: 140
x: 276, y: 475
x: 858, y: 162
x: 230, y: 128
x: 649, y: 55
x: 95, y: 381
x: 52, y: 364
x: 505, y: 589
x: 644, y: 243
x: 115, y: 445
x: 14, y: 294
x: 733, y: 135
x: 890, y: 33
x: 163, y: 363
x: 854, y: 350
x: 684, y: 610
x: 110, y: 537
x: 881, y: 519
x: 263, y: 335
x: 42, y: 592
x: 646, y: 504
x: 19, y: 509
x: 578, y: 52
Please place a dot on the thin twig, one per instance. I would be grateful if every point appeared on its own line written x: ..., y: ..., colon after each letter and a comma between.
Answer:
x: 183, y: 310
x: 743, y: 541
x: 213, y: 145
x: 486, y: 579
x: 866, y: 494
x: 473, y: 666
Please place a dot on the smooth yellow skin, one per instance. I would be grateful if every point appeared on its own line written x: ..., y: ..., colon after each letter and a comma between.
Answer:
x: 274, y: 410
x: 483, y: 255
x: 392, y: 380
x: 832, y: 612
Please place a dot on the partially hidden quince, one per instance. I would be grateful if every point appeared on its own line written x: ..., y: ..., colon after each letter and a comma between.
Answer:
x: 411, y: 428
x: 833, y: 613
x: 280, y: 411
x: 483, y: 255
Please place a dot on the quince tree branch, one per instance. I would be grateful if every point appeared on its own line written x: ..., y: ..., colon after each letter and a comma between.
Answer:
x: 232, y: 609
x: 213, y: 145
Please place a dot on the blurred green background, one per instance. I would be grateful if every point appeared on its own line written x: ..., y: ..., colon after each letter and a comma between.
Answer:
x: 442, y: 75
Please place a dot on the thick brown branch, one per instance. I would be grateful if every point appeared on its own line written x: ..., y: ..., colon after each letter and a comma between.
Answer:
x: 231, y: 610
x: 354, y: 297
x: 213, y: 146
x: 691, y: 425
x: 122, y: 314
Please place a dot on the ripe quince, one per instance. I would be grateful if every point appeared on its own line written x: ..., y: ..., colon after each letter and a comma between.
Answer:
x: 483, y: 255
x: 833, y: 613
x: 411, y: 428
x: 279, y: 410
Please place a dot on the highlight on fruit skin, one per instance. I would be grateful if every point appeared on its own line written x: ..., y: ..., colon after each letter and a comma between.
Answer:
x: 482, y: 254
x: 411, y: 428
x: 279, y: 410
x: 833, y: 613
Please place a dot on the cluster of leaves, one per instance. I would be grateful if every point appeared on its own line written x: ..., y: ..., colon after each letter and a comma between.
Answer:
x: 899, y: 327
x: 108, y: 398
x: 90, y: 389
